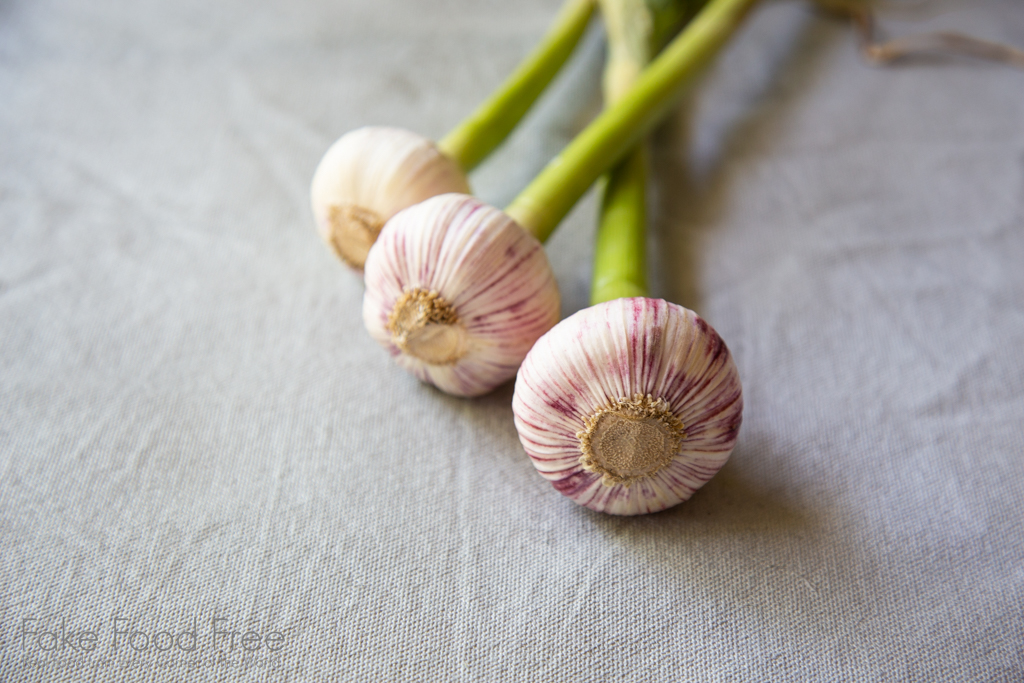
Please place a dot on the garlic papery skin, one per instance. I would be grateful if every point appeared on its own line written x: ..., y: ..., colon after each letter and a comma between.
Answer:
x: 458, y: 292
x: 368, y: 176
x: 629, y: 406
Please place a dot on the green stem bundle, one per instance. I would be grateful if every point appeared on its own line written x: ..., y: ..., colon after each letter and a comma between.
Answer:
x: 636, y: 30
x: 552, y: 194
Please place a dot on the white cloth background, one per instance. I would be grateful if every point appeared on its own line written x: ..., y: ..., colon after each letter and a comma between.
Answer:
x: 194, y: 425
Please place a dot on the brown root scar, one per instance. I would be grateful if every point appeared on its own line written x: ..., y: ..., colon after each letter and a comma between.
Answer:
x: 424, y: 325
x: 351, y: 231
x: 630, y: 439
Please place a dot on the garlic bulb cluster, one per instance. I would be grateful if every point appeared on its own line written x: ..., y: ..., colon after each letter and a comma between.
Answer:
x: 629, y: 406
x: 458, y: 292
x: 369, y: 175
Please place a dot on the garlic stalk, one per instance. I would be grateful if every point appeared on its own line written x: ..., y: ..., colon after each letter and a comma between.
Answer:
x: 553, y: 193
x: 423, y: 251
x: 630, y: 26
x: 636, y: 29
x: 631, y: 405
x: 371, y: 173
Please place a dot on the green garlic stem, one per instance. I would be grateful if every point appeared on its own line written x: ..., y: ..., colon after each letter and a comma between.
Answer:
x: 629, y: 25
x: 669, y: 16
x: 620, y: 268
x: 636, y: 29
x: 483, y: 130
x: 620, y: 259
x: 552, y: 194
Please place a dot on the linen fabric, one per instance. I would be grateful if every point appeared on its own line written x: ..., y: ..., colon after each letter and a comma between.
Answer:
x: 209, y: 472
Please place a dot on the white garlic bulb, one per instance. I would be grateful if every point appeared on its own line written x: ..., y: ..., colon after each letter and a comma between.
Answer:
x: 629, y: 406
x: 458, y: 292
x: 368, y: 176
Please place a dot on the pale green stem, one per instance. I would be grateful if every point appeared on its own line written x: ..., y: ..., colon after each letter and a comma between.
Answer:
x: 483, y: 130
x: 552, y: 194
x: 620, y: 264
x: 635, y: 28
x: 620, y: 259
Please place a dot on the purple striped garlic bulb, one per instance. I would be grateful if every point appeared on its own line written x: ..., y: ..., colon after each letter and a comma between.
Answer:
x: 629, y: 406
x: 458, y: 292
x: 368, y: 176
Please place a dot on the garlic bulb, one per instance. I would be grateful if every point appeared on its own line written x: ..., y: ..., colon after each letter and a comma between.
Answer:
x: 369, y: 175
x: 629, y: 406
x: 458, y: 293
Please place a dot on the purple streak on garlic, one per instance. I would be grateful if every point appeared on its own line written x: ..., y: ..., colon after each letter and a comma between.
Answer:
x: 368, y: 176
x: 458, y: 292
x: 629, y: 406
